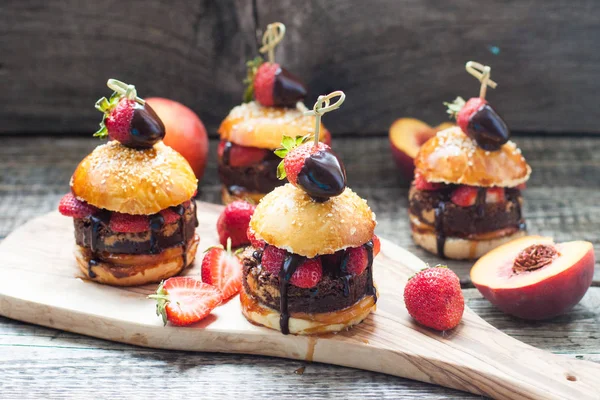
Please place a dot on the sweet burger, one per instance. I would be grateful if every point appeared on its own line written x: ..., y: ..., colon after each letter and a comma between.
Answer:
x: 131, y: 198
x: 309, y: 269
x: 272, y: 109
x: 466, y: 196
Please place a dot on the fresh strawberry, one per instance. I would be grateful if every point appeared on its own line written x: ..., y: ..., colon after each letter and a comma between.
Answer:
x: 434, y: 299
x: 376, y: 245
x: 495, y: 195
x: 357, y: 260
x: 183, y: 300
x: 233, y: 223
x: 118, y: 120
x: 244, y: 156
x: 308, y: 274
x: 421, y: 184
x: 256, y: 243
x: 272, y: 85
x: 463, y: 117
x: 127, y: 223
x: 264, y: 83
x: 221, y: 148
x: 272, y: 259
x: 294, y: 153
x: 222, y: 269
x: 70, y: 206
x: 464, y: 196
x: 170, y: 216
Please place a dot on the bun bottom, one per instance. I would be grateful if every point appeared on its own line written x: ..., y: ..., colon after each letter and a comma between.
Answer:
x: 252, y: 197
x: 462, y: 249
x: 307, y: 324
x: 136, y: 269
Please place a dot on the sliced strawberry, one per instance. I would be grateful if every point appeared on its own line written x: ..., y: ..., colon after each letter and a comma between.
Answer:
x: 495, y: 195
x: 244, y: 156
x: 376, y: 245
x: 70, y: 206
x: 234, y: 222
x: 127, y: 223
x: 357, y: 260
x: 223, y: 270
x: 465, y: 114
x: 308, y: 274
x: 421, y: 184
x: 272, y: 259
x: 256, y: 243
x: 170, y: 216
x: 464, y: 196
x: 183, y: 300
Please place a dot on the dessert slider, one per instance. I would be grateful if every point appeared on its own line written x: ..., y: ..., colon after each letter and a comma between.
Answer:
x: 252, y: 130
x: 466, y: 199
x: 131, y: 198
x: 310, y: 267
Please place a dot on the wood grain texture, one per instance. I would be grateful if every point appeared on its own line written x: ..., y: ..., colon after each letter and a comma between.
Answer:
x: 393, y: 58
x: 39, y: 286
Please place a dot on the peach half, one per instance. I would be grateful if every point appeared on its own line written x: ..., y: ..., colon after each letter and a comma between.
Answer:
x: 535, y: 278
x: 407, y: 135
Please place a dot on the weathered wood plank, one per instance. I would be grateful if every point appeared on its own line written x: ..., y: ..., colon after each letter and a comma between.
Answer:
x: 393, y: 58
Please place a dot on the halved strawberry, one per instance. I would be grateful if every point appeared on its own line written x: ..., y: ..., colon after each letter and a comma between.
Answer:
x: 357, y: 260
x: 308, y: 274
x: 70, y: 206
x: 170, y: 216
x: 421, y: 184
x: 464, y: 196
x: 184, y: 300
x: 376, y: 245
x: 222, y: 269
x: 244, y: 156
x: 128, y: 223
x: 272, y: 259
x: 495, y: 195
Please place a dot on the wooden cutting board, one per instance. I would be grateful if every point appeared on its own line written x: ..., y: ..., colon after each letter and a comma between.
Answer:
x: 39, y: 284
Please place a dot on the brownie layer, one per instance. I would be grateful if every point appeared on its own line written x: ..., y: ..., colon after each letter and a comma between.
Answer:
x: 149, y: 242
x: 259, y: 178
x: 332, y: 293
x: 460, y: 221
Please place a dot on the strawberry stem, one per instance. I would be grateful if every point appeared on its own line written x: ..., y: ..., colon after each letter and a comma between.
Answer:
x: 482, y: 73
x: 271, y: 38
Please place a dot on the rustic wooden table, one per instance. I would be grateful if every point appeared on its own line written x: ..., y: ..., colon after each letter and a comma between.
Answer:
x: 562, y: 200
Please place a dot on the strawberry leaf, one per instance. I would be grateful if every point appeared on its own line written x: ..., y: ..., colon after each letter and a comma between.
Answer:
x: 252, y: 67
x: 103, y: 105
x: 281, y: 153
x: 455, y: 107
x: 162, y: 299
x: 288, y: 142
x: 102, y: 132
x: 281, y: 174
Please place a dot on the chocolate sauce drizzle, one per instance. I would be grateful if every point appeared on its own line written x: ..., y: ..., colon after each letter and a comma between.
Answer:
x: 439, y: 227
x: 157, y: 222
x: 96, y: 223
x: 227, y: 153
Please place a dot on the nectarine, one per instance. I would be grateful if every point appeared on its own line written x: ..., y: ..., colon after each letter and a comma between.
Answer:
x: 406, y: 137
x: 535, y: 278
x: 185, y: 132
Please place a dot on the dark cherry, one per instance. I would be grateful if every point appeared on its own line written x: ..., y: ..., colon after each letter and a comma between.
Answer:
x: 146, y: 127
x: 323, y: 175
x: 287, y: 89
x: 488, y: 129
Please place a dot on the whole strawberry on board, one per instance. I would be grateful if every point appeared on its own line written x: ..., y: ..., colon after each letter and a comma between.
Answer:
x: 233, y: 223
x: 222, y: 269
x: 184, y: 300
x: 434, y: 299
x: 476, y: 117
x: 269, y: 83
x: 128, y: 118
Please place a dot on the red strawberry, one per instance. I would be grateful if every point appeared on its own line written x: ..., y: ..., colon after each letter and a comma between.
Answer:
x: 522, y: 186
x: 233, y: 223
x: 421, y: 184
x: 127, y: 223
x: 264, y: 82
x: 434, y: 299
x: 464, y: 115
x: 464, y: 196
x: 295, y: 158
x: 118, y: 120
x: 221, y: 148
x: 495, y: 195
x: 243, y: 156
x: 170, y: 216
x: 308, y: 274
x: 183, y: 300
x: 357, y: 259
x: 256, y: 243
x: 275, y: 86
x: 70, y: 206
x: 376, y: 245
x: 272, y: 259
x: 223, y: 270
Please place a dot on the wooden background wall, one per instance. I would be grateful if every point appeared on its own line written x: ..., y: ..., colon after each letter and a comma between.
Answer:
x: 392, y: 57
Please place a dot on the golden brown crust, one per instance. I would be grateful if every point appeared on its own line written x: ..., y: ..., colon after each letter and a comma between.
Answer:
x: 289, y: 219
x: 452, y: 157
x: 137, y: 270
x: 253, y: 125
x: 252, y: 197
x: 118, y: 178
x: 307, y: 324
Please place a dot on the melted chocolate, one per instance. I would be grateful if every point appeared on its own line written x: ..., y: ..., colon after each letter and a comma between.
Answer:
x: 439, y: 227
x: 157, y: 221
x: 287, y: 89
x: 103, y: 217
x: 146, y: 128
x: 291, y: 263
x: 322, y: 176
x: 480, y: 201
x: 371, y: 286
x: 488, y: 129
x: 226, y: 153
x: 181, y: 210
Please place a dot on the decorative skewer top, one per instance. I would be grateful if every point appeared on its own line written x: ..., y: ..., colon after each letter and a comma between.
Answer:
x: 482, y: 73
x: 323, y: 106
x: 271, y: 38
